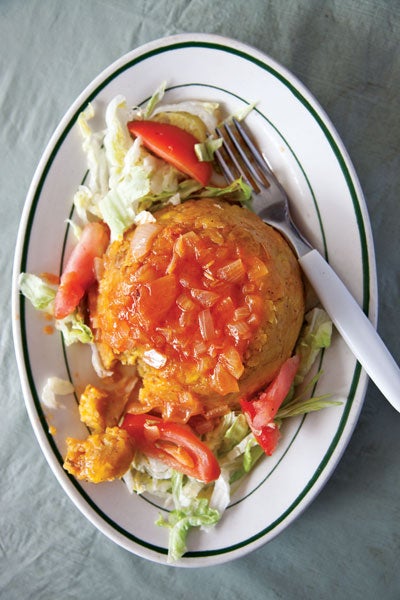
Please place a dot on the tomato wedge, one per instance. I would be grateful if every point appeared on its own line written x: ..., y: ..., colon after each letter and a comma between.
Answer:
x: 261, y: 411
x: 174, y: 444
x: 173, y: 144
x: 79, y: 273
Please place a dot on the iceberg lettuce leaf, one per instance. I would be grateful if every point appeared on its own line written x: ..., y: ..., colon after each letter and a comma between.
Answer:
x: 37, y: 291
x: 181, y: 521
x: 54, y: 387
x: 154, y: 100
x: 238, y: 190
x: 205, y: 150
x: 117, y: 139
x: 315, y: 335
x: 74, y: 330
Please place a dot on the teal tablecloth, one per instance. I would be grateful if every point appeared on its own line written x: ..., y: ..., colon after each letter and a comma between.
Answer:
x: 347, y: 544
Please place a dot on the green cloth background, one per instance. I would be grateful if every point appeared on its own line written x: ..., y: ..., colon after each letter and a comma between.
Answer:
x: 347, y: 543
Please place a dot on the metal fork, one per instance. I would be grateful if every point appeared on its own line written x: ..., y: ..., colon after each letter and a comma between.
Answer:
x: 240, y: 157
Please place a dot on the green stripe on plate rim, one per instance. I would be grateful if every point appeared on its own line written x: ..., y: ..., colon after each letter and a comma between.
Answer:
x: 365, y: 264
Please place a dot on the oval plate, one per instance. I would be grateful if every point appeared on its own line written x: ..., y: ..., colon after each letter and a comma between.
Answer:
x: 327, y: 203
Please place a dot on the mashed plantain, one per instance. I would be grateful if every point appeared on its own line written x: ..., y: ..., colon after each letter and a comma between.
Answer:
x: 207, y: 301
x: 101, y: 457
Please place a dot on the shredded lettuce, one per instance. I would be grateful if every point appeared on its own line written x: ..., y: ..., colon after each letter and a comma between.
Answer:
x: 178, y: 491
x: 180, y: 521
x: 55, y: 387
x: 194, y: 503
x: 302, y: 402
x: 119, y: 206
x: 186, y: 515
x: 154, y: 100
x: 235, y: 433
x: 240, y: 114
x: 74, y: 329
x: 37, y: 291
x: 251, y: 455
x: 97, y: 177
x: 206, y: 111
x: 97, y: 363
x: 221, y: 491
x: 300, y: 406
x: 205, y: 150
x: 149, y: 475
x: 237, y: 190
x: 315, y: 335
x: 124, y: 178
x: 42, y: 296
x: 117, y: 140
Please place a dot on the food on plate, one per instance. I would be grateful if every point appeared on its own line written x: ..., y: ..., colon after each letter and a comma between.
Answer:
x: 101, y: 457
x: 207, y: 301
x: 174, y: 144
x: 79, y: 273
x: 174, y: 444
x: 194, y: 311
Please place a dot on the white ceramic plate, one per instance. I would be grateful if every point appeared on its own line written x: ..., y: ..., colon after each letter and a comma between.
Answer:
x: 327, y: 204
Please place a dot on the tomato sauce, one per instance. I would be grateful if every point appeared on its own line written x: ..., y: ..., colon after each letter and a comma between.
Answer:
x: 189, y: 309
x: 196, y: 297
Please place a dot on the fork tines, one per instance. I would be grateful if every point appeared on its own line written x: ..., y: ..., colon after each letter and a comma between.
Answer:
x: 239, y: 156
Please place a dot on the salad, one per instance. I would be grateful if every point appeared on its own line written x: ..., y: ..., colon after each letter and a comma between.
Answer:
x: 165, y: 433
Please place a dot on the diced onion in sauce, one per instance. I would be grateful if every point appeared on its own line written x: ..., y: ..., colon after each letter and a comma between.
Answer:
x: 154, y: 359
x: 258, y: 269
x: 186, y: 243
x: 185, y: 302
x: 142, y: 239
x: 231, y: 360
x: 232, y: 272
x: 241, y: 313
x: 239, y: 330
x: 206, y: 324
x: 223, y: 382
x: 205, y: 297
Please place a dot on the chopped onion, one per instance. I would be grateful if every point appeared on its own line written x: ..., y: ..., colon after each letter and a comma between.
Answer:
x: 204, y: 364
x: 232, y: 272
x: 199, y: 348
x: 172, y: 265
x: 206, y: 324
x: 151, y: 431
x: 254, y: 320
x: 142, y: 239
x: 239, y: 330
x: 185, y: 303
x: 226, y: 305
x: 258, y: 269
x: 205, y: 297
x: 144, y: 216
x: 232, y: 361
x: 154, y: 359
x: 241, y: 313
x: 188, y: 240
x: 143, y: 274
x: 254, y: 302
x: 187, y: 318
x: 248, y: 288
x: 222, y: 381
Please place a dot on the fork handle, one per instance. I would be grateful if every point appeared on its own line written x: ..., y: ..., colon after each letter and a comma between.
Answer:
x: 354, y: 326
